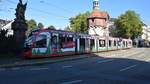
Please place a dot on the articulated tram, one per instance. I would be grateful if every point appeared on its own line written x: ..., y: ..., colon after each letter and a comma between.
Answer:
x: 50, y: 43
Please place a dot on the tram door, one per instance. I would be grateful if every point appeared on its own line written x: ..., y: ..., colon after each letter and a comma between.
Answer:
x: 76, y: 45
x: 82, y: 44
x: 54, y: 43
x: 92, y: 45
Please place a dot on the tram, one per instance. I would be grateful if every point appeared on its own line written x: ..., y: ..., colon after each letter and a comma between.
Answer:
x: 51, y: 43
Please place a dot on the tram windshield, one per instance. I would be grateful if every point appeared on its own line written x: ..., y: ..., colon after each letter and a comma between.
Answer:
x: 28, y: 42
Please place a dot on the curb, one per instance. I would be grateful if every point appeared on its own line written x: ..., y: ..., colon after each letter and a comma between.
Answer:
x: 43, y: 62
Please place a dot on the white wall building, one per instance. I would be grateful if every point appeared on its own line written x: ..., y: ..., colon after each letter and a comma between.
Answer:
x: 8, y: 26
x: 146, y: 33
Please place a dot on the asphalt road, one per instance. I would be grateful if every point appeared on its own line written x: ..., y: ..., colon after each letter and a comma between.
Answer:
x: 117, y: 67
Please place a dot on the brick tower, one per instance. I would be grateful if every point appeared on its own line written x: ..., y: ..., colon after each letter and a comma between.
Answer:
x: 97, y: 21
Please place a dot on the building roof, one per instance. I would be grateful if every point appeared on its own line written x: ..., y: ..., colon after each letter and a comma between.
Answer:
x: 4, y: 22
x: 98, y: 14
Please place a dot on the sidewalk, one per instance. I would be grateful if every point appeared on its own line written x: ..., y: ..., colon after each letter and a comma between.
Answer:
x: 20, y: 62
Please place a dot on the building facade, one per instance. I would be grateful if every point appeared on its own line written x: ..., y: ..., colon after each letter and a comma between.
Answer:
x: 7, y: 26
x: 3, y: 22
x: 97, y: 21
x: 144, y: 40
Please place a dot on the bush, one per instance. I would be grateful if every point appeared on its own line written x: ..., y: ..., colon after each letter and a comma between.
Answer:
x: 7, y: 43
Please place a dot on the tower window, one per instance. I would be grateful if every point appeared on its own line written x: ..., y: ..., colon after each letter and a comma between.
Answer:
x: 96, y: 3
x: 92, y: 20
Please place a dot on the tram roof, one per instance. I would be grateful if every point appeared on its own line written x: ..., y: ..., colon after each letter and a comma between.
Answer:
x: 59, y: 31
x: 74, y: 33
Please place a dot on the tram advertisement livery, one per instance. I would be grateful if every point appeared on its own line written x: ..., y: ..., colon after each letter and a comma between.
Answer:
x: 51, y: 43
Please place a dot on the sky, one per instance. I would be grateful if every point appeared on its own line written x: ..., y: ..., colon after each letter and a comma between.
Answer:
x: 58, y: 12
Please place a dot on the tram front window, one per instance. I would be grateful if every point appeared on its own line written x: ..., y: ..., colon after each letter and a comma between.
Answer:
x: 28, y: 43
x: 40, y: 41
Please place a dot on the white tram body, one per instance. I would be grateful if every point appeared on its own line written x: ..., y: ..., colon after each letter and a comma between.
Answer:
x: 51, y: 43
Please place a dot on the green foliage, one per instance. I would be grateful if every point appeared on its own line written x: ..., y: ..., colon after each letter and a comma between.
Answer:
x: 31, y: 24
x: 128, y: 25
x: 40, y: 25
x: 51, y: 27
x: 79, y: 23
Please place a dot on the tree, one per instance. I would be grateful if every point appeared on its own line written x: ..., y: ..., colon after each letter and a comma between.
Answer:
x: 51, y: 27
x: 5, y: 45
x: 19, y: 26
x: 40, y: 25
x: 79, y: 23
x: 128, y: 25
x: 31, y: 24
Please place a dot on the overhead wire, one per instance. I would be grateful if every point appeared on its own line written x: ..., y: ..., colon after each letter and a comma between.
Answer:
x: 48, y: 13
x: 55, y: 6
x: 42, y: 11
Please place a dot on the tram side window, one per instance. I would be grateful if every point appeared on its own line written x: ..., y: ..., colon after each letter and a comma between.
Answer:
x: 92, y: 43
x: 40, y: 41
x: 62, y: 40
x: 119, y: 43
x: 54, y: 42
x: 110, y: 43
x: 115, y: 43
x: 101, y: 43
x: 130, y: 42
x: 65, y: 42
x: 54, y: 39
x: 124, y: 43
x: 69, y: 39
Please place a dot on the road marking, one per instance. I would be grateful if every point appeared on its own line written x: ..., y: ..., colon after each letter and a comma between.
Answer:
x: 128, y: 68
x: 147, y: 60
x: 122, y: 53
x: 17, y: 68
x: 38, y: 68
x: 73, y: 82
x: 133, y: 53
x: 69, y: 66
x: 105, y: 61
